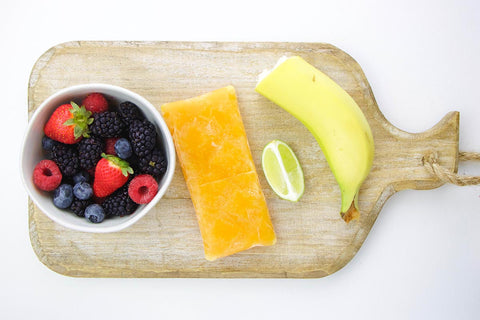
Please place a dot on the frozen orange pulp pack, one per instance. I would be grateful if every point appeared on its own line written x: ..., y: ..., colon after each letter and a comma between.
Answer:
x: 217, y: 164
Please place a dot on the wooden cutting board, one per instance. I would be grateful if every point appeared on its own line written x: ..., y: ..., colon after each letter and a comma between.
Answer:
x: 313, y: 241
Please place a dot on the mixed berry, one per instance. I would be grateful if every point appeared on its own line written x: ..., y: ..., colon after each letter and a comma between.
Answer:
x: 103, y: 160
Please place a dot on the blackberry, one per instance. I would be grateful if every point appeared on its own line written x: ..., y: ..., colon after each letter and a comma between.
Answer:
x: 66, y: 157
x: 129, y: 112
x: 89, y: 152
x: 155, y: 164
x: 107, y: 124
x: 142, y: 136
x: 78, y: 206
x: 119, y: 203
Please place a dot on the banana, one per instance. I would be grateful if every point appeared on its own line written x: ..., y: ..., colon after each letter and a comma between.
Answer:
x: 332, y: 116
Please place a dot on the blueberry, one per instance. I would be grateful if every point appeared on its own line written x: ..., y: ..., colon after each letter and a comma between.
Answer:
x: 63, y: 196
x: 123, y: 148
x: 82, y: 190
x: 82, y: 176
x: 47, y: 143
x: 94, y: 213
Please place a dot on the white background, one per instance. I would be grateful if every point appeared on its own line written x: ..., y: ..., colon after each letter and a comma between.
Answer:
x: 422, y: 257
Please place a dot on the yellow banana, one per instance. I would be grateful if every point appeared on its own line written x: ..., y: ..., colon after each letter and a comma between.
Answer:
x: 332, y: 116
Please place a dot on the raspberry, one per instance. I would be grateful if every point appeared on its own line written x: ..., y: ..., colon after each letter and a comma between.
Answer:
x: 47, y: 175
x: 95, y: 103
x: 110, y: 145
x: 142, y: 189
x: 91, y: 172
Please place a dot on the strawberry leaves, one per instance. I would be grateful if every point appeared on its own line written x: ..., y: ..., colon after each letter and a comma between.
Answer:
x: 80, y: 119
x: 123, y: 165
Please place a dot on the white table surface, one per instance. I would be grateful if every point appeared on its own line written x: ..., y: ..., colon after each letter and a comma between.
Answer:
x: 422, y: 257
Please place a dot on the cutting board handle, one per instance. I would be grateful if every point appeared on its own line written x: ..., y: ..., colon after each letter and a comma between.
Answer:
x: 430, y: 161
x: 407, y: 158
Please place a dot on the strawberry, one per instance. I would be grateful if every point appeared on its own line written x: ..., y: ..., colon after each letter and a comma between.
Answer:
x: 111, y: 173
x: 95, y: 103
x: 68, y: 123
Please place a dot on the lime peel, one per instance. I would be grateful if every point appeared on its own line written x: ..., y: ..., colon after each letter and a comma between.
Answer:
x: 283, y: 171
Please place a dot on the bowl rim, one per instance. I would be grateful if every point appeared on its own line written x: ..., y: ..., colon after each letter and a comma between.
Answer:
x: 98, y: 87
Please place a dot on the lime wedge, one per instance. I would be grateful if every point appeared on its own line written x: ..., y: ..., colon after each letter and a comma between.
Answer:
x: 282, y: 170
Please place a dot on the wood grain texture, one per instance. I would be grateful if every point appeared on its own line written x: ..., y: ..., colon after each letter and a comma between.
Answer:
x: 313, y: 241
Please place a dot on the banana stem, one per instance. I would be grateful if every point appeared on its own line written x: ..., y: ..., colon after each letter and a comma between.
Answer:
x: 351, y: 214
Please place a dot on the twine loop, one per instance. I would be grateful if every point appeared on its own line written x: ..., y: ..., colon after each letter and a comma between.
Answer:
x: 430, y: 162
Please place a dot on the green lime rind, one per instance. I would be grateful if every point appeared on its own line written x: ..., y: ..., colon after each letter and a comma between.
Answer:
x: 283, y: 171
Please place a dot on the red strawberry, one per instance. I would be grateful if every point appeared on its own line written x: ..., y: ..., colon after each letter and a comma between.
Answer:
x: 110, y: 146
x: 68, y: 123
x: 95, y: 103
x: 111, y: 173
x: 47, y: 175
x: 142, y: 189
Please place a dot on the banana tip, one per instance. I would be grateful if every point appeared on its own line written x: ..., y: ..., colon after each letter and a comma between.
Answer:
x: 351, y: 214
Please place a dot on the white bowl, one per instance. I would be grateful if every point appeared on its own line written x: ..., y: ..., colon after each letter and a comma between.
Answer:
x: 32, y: 153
